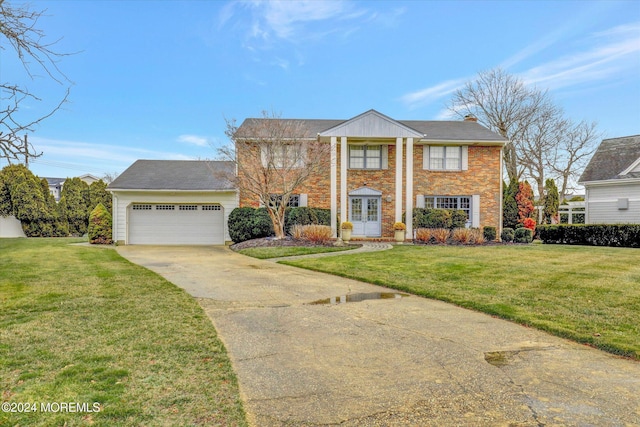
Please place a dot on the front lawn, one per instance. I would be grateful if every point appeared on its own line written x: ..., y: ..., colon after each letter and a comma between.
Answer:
x: 83, y: 329
x: 588, y: 294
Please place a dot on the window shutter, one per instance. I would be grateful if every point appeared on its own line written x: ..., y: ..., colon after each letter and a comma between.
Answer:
x: 302, y: 200
x: 475, y: 211
x: 425, y: 157
x: 385, y: 156
x: 465, y: 157
x: 420, y: 201
x: 263, y: 155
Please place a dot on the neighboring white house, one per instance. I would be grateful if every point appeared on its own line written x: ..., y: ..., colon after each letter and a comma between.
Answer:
x: 56, y: 184
x: 612, y: 182
x: 173, y: 202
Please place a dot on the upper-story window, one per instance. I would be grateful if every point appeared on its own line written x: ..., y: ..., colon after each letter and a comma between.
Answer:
x: 283, y: 156
x: 446, y: 158
x: 365, y: 156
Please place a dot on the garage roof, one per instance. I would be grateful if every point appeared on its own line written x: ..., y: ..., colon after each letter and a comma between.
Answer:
x: 194, y: 175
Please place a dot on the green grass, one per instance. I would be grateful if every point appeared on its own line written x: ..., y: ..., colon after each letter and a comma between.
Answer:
x: 587, y: 294
x: 284, y: 251
x: 81, y: 324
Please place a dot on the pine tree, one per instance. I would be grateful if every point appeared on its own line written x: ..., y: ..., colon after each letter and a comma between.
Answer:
x: 510, y: 206
x: 74, y: 202
x: 551, y: 202
x: 100, y: 224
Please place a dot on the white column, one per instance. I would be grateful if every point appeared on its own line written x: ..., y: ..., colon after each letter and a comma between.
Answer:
x: 344, y: 160
x: 398, y: 180
x: 409, y: 189
x: 334, y: 185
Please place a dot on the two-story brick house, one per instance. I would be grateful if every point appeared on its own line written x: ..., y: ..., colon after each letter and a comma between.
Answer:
x: 381, y: 168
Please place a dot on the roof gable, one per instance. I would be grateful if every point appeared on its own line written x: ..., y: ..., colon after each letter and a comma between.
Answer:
x: 372, y: 124
x: 185, y: 175
x: 615, y: 158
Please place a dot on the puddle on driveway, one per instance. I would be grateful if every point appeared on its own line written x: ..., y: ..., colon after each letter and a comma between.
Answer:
x: 342, y: 299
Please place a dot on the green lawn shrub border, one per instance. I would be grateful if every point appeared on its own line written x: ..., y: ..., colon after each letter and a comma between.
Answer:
x: 253, y: 223
x: 617, y: 235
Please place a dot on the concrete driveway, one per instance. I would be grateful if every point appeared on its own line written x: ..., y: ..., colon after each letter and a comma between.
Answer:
x: 387, y: 362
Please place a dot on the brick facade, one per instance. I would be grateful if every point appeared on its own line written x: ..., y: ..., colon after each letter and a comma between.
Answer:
x: 482, y: 178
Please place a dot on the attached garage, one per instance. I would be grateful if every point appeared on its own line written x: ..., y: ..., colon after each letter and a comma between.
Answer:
x: 168, y: 202
x: 178, y: 224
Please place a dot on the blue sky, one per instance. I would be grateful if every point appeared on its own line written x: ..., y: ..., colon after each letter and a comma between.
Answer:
x: 156, y: 79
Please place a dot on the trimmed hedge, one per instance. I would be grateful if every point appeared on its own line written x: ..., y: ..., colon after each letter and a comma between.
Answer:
x: 620, y: 235
x: 489, y: 233
x: 507, y: 234
x: 254, y: 223
x: 439, y: 218
x: 523, y: 235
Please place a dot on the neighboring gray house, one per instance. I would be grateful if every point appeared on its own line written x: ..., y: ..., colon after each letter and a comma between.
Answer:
x: 173, y: 202
x: 612, y: 182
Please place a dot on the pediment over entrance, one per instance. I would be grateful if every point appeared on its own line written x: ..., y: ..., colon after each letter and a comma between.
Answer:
x: 371, y: 124
x: 365, y: 191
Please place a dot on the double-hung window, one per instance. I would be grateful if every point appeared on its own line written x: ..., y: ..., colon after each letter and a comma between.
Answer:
x: 446, y: 158
x: 365, y: 156
x: 294, y: 200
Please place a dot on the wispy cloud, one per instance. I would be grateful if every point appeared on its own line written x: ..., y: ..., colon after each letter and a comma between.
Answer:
x: 609, y: 53
x: 199, y: 141
x: 274, y: 20
x: 604, y: 56
x: 426, y: 96
x: 85, y: 152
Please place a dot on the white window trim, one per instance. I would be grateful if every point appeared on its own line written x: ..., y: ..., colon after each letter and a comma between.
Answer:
x: 384, y: 156
x: 464, y: 158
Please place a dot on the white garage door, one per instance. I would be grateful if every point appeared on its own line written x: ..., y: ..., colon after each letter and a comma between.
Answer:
x: 176, y: 224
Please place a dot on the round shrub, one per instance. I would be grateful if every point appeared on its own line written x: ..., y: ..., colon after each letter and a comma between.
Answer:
x: 523, y: 235
x: 249, y: 223
x: 507, y: 234
x: 489, y: 233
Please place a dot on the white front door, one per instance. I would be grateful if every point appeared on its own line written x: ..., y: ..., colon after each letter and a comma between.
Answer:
x: 364, y: 213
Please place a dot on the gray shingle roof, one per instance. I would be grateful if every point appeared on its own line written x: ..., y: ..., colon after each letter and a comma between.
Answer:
x: 611, y: 158
x: 434, y: 129
x: 195, y: 175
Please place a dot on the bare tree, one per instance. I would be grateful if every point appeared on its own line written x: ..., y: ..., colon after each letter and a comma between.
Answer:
x: 274, y: 157
x: 504, y: 104
x: 540, y: 140
x: 569, y: 158
x: 18, y: 27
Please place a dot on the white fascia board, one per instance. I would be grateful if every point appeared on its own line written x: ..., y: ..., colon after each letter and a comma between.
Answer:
x: 461, y: 142
x: 610, y: 182
x: 142, y: 190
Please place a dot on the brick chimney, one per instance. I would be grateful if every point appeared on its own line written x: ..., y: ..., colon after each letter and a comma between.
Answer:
x: 470, y: 118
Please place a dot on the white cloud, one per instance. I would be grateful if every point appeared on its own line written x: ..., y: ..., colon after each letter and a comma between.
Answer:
x: 610, y: 53
x: 426, y: 96
x: 200, y: 141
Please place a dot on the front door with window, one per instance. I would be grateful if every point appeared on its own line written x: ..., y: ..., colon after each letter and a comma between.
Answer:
x: 364, y: 213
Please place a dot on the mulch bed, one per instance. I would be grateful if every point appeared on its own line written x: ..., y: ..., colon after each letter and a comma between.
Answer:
x: 273, y: 242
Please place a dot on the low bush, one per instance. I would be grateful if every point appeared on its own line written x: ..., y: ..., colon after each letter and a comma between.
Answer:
x: 620, y: 235
x: 249, y: 223
x: 297, y: 232
x: 306, y: 216
x: 439, y: 218
x: 478, y: 236
x: 507, y: 234
x: 440, y: 235
x: 529, y: 223
x: 489, y: 233
x: 314, y: 233
x: 523, y: 235
x: 424, y: 235
x: 464, y: 236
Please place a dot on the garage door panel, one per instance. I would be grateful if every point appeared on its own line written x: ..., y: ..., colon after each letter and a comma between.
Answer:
x: 176, y: 224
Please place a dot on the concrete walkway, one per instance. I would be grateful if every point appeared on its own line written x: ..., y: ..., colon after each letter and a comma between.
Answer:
x: 388, y: 362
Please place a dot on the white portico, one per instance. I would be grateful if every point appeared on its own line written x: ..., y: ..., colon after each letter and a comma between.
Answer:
x: 362, y: 205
